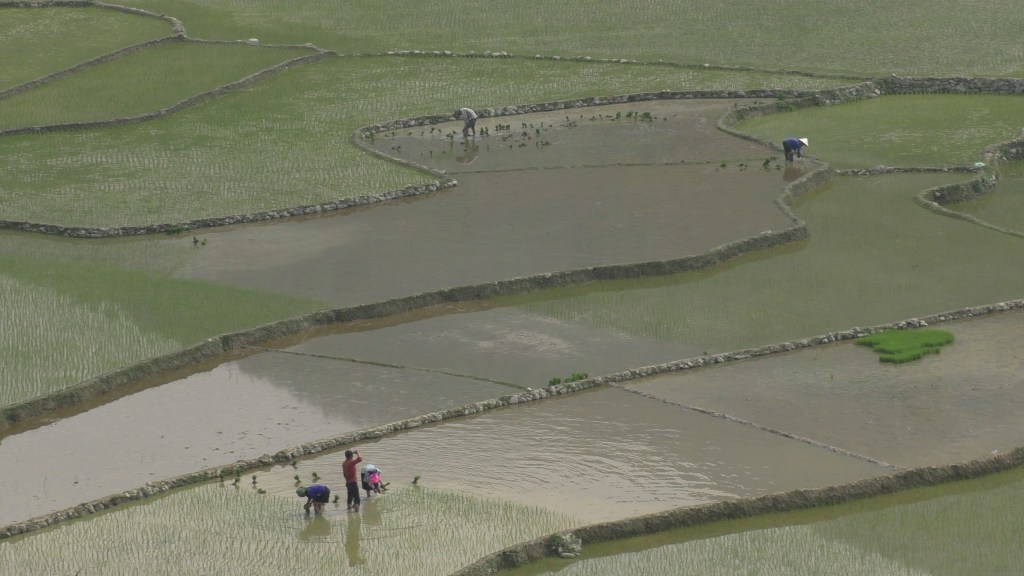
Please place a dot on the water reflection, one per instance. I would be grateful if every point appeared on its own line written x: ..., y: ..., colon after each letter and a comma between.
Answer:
x: 470, y: 150
x: 791, y: 173
x: 372, y: 514
x: 316, y: 529
x: 352, y: 535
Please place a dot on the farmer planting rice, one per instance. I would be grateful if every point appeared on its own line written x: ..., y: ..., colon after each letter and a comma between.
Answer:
x: 469, y: 116
x: 316, y: 496
x: 793, y: 146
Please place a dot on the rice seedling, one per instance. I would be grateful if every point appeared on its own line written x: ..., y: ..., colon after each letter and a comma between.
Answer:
x: 139, y: 82
x: 49, y: 340
x: 67, y: 319
x: 70, y: 36
x: 263, y: 149
x: 912, y: 130
x: 410, y: 532
x: 868, y: 39
x: 899, y: 346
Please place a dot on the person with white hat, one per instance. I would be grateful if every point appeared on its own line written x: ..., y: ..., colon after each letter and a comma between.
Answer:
x: 469, y: 121
x: 792, y: 146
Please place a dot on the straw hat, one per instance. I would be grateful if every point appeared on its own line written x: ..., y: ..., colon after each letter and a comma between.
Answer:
x: 804, y: 140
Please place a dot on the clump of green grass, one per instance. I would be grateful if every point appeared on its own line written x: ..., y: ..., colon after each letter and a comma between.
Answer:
x: 575, y: 376
x: 898, y: 346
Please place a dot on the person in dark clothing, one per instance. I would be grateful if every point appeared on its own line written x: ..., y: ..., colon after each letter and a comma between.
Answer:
x: 348, y: 467
x: 792, y: 146
x: 316, y: 496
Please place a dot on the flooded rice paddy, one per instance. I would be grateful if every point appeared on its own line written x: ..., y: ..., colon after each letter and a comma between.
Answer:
x: 957, y: 405
x: 1005, y: 206
x: 643, y: 190
x: 954, y: 529
x: 519, y: 212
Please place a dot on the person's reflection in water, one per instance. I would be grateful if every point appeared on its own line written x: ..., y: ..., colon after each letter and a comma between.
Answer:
x: 371, y: 512
x: 317, y: 528
x: 469, y: 151
x: 352, y: 540
x: 790, y: 173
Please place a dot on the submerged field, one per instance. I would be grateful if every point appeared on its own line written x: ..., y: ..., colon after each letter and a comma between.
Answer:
x: 544, y: 195
x: 920, y: 532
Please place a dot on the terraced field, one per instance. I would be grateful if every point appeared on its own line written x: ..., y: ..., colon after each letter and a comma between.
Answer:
x: 236, y: 169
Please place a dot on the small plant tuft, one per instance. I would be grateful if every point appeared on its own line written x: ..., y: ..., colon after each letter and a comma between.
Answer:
x: 899, y: 346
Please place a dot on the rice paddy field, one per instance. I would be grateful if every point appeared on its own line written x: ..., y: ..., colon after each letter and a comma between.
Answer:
x: 912, y: 130
x: 223, y: 529
x: 919, y: 532
x: 70, y: 38
x: 74, y: 309
x: 286, y: 141
x: 1005, y: 208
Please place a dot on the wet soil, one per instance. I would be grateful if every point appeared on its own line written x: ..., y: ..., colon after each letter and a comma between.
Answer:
x: 957, y: 405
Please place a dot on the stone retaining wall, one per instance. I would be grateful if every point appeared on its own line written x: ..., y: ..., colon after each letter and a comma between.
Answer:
x: 623, y: 529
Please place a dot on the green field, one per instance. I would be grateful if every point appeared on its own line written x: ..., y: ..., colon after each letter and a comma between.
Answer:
x: 47, y: 40
x: 141, y: 82
x: 220, y: 529
x: 904, y: 131
x: 866, y: 38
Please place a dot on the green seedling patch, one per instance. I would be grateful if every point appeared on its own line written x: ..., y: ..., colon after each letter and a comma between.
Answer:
x: 898, y: 346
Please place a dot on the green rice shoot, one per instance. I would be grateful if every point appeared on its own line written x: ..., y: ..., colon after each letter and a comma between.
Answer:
x: 899, y: 346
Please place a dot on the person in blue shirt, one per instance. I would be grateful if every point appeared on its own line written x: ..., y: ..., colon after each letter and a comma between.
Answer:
x: 316, y: 496
x: 792, y: 146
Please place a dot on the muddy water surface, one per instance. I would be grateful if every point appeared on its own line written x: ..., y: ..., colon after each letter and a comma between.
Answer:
x: 236, y: 411
x: 652, y: 190
x: 596, y: 456
x: 502, y: 344
x: 960, y: 404
x: 639, y: 133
